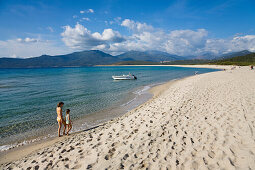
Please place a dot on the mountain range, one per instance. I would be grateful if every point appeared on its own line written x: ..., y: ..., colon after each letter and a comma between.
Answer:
x: 212, y: 56
x: 94, y: 57
x: 152, y: 56
x: 245, y: 60
x: 84, y: 58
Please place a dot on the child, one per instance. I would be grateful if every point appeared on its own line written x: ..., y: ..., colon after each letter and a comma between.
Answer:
x: 68, y: 121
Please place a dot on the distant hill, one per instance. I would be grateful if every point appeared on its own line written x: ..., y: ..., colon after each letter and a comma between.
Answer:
x: 137, y: 63
x: 96, y: 57
x: 212, y: 56
x: 248, y: 59
x: 187, y: 62
x: 153, y: 56
x: 204, y: 56
x: 245, y: 60
x: 84, y: 58
x: 234, y: 54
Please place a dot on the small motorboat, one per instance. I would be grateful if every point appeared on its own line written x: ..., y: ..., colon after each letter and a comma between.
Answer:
x: 125, y: 77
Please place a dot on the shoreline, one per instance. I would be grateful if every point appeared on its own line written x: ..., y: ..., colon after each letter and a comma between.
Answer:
x: 16, y: 153
x: 91, y: 119
x: 94, y: 118
x: 161, y: 93
x: 22, y: 150
x: 189, y: 66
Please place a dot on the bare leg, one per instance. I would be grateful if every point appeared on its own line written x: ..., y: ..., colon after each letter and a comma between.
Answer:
x: 69, y: 128
x: 59, y: 128
x: 64, y: 123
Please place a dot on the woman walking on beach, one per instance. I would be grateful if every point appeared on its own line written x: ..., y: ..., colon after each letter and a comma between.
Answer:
x: 60, y: 118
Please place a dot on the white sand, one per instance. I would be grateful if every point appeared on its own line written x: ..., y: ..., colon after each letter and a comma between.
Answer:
x: 202, y: 122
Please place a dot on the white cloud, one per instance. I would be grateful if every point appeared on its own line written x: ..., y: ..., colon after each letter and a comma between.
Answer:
x: 136, y: 26
x: 29, y: 47
x: 101, y: 47
x: 138, y: 36
x: 87, y: 11
x: 237, y: 43
x: 141, y: 42
x: 185, y: 42
x: 27, y: 40
x: 19, y: 39
x: 109, y: 35
x: 85, y: 19
x: 242, y: 42
x: 180, y: 42
x: 91, y: 10
x: 80, y: 37
x: 144, y: 37
x: 116, y: 20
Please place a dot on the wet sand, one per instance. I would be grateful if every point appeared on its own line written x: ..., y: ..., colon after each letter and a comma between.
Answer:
x: 205, y: 121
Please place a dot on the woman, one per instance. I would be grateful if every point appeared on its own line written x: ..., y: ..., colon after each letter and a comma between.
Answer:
x: 60, y: 118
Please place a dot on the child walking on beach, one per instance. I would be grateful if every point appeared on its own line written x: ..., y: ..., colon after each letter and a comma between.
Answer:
x: 68, y: 121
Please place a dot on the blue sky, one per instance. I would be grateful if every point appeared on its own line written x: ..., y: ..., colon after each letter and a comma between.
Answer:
x: 183, y: 27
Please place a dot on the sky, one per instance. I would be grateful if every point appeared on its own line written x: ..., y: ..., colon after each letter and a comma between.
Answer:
x: 30, y: 28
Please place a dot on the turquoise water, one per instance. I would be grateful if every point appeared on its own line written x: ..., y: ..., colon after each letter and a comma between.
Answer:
x: 28, y: 97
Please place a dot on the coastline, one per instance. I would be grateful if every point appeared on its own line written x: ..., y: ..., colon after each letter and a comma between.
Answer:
x: 21, y: 151
x: 143, y: 112
x: 24, y: 150
x: 87, y: 121
x: 189, y: 66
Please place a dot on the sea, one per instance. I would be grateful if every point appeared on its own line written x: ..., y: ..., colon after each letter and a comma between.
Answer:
x: 28, y: 97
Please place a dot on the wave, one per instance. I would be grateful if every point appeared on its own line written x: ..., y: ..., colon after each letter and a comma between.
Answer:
x: 26, y: 142
x: 142, y: 91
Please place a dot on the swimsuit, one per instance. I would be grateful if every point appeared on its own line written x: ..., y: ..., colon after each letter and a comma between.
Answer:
x: 58, y: 119
x: 67, y: 121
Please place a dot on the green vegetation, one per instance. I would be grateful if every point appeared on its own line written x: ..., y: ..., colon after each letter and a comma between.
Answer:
x: 177, y: 62
x: 137, y: 63
x: 245, y: 60
x: 186, y: 62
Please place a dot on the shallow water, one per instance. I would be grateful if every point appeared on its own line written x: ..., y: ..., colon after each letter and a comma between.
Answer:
x: 28, y: 97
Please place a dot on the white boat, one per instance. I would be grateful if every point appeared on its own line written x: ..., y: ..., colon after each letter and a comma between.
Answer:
x: 125, y: 77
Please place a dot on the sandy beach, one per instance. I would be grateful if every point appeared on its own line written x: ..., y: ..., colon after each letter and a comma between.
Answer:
x: 205, y: 121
